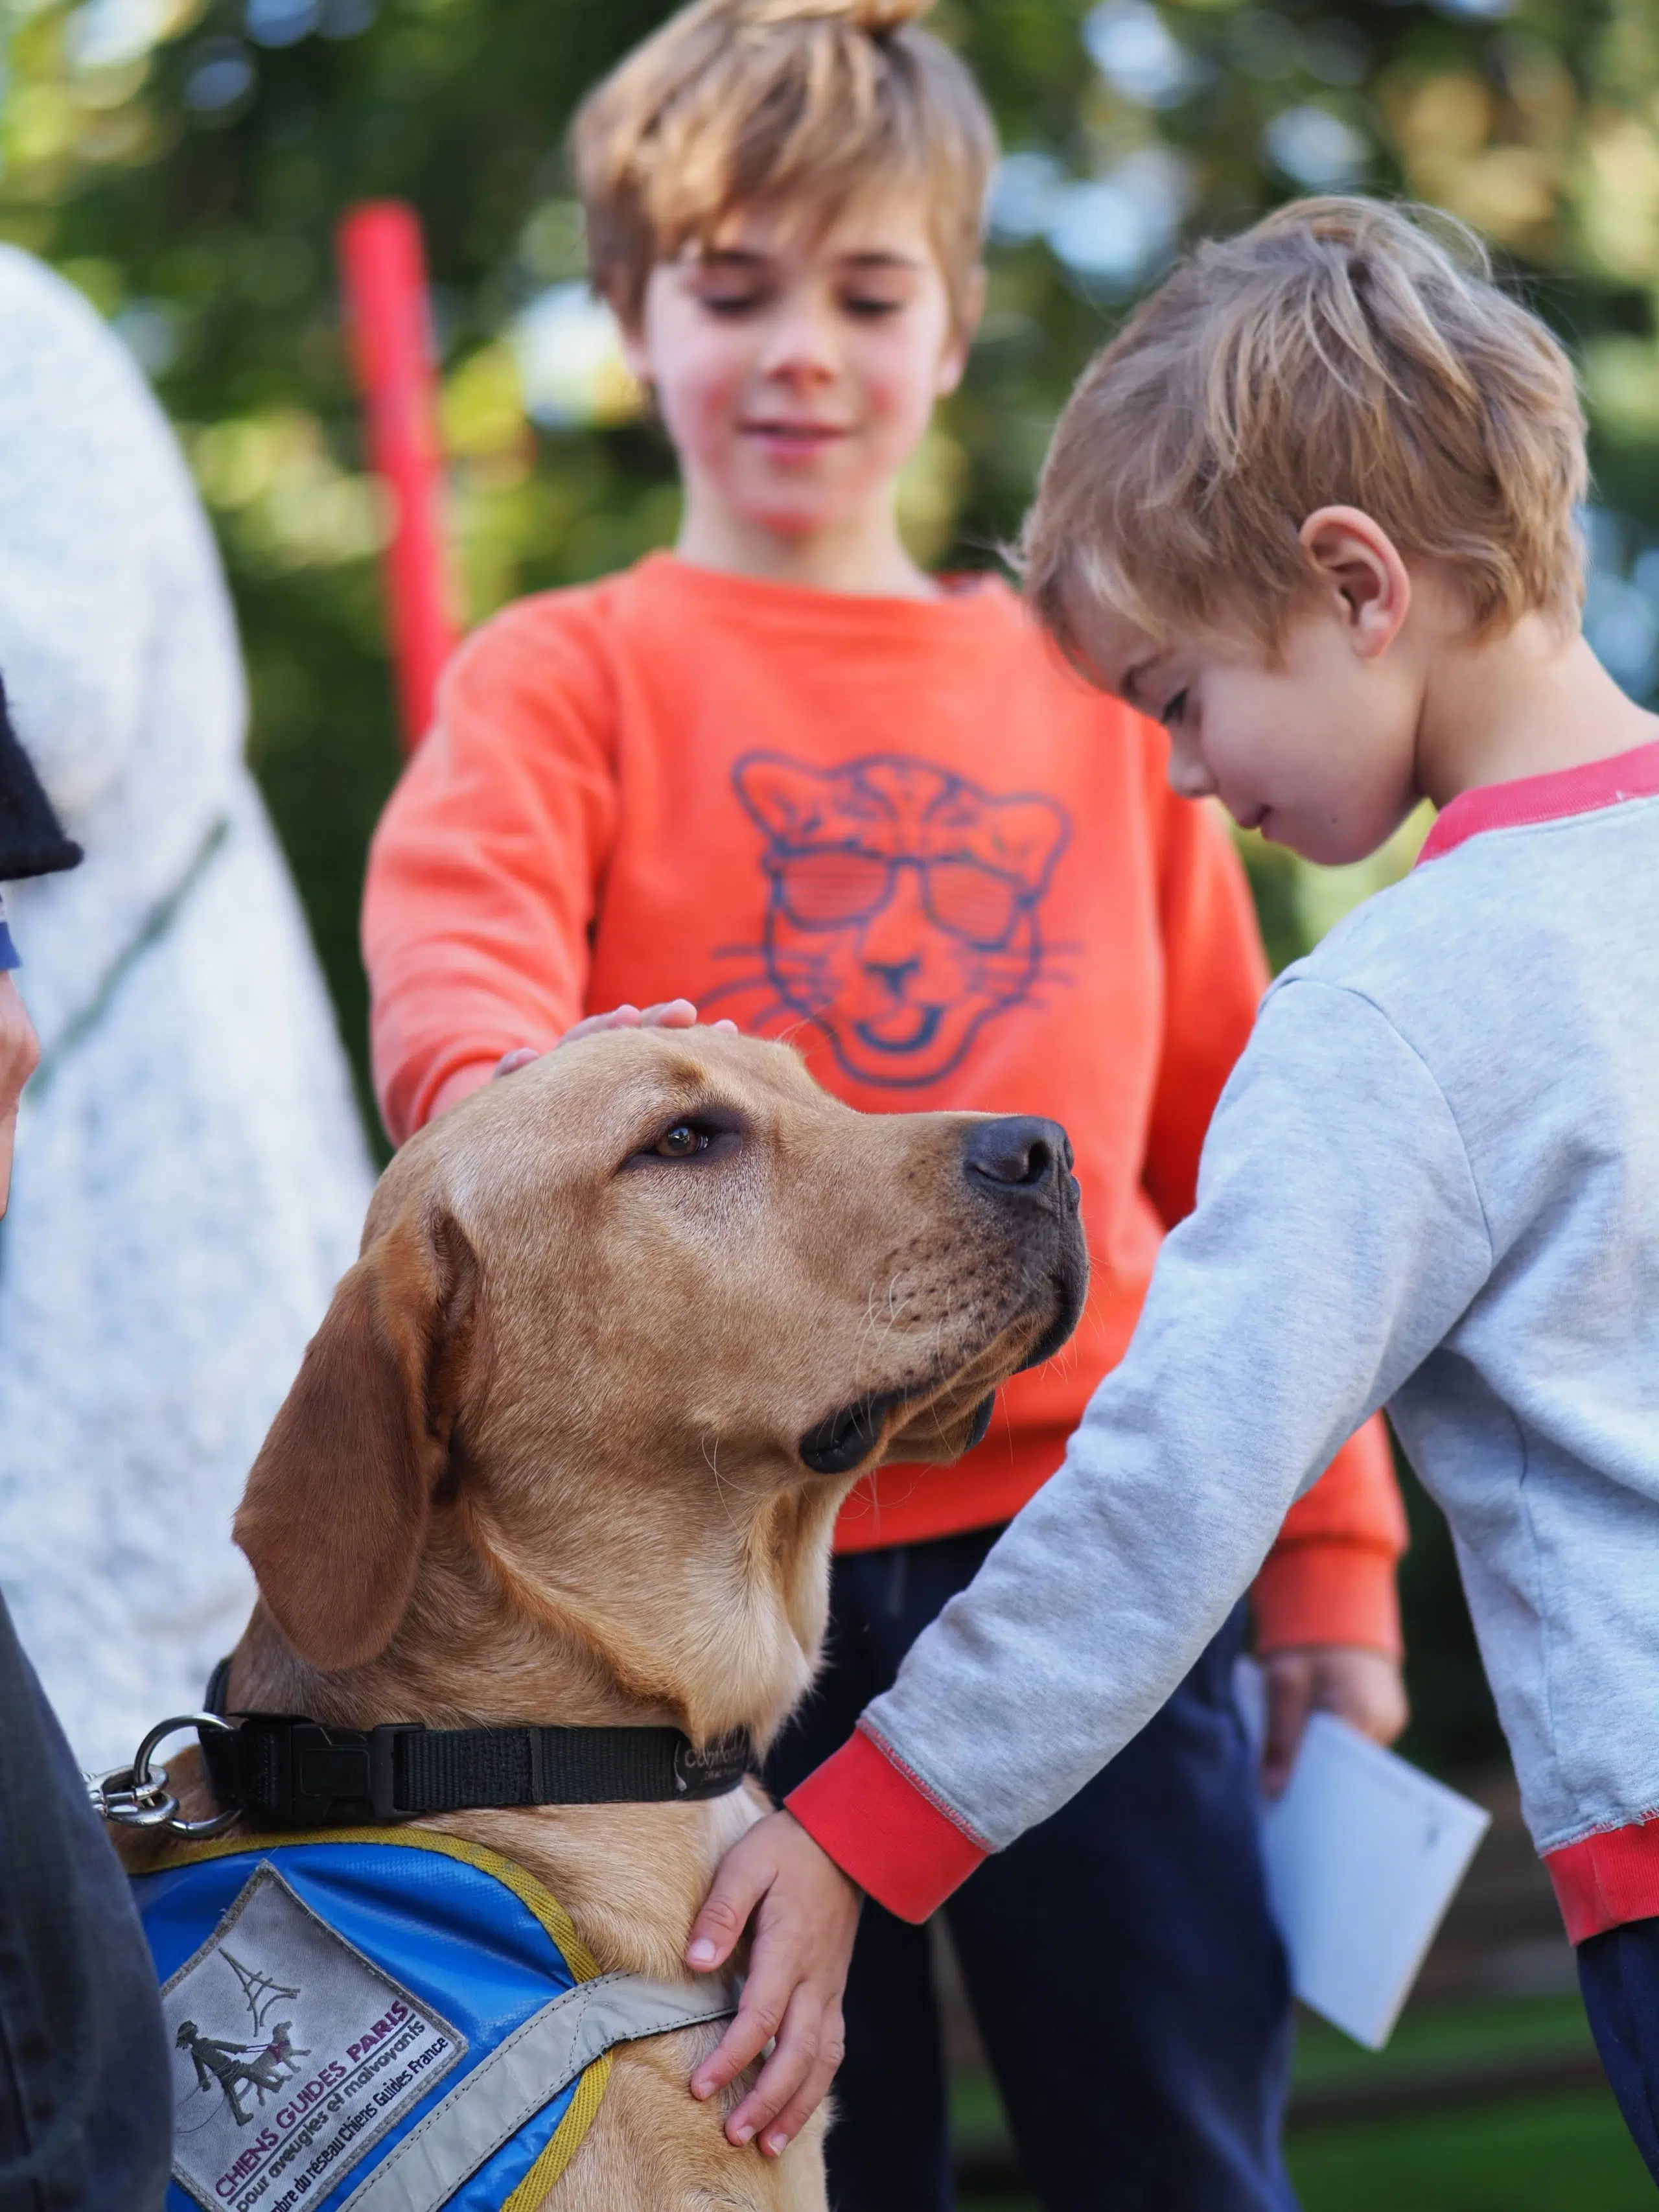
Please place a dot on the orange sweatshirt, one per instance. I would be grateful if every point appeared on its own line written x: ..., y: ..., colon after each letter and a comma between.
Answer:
x: 900, y: 832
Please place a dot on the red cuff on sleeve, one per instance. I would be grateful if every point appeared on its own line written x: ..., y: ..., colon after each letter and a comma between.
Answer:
x: 881, y: 1826
x: 1606, y: 1879
x: 1326, y: 1590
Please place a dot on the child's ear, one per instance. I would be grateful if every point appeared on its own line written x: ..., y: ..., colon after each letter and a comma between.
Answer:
x: 954, y: 359
x: 1357, y: 568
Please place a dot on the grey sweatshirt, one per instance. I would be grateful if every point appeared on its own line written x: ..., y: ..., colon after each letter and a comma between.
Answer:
x: 1432, y: 1184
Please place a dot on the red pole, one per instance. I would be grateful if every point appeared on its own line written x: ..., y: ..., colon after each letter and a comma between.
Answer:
x: 384, y: 269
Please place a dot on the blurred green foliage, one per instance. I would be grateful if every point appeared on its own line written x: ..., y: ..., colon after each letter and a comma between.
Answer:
x: 186, y: 162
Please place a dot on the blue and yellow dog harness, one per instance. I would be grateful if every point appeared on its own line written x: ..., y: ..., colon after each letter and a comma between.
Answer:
x: 381, y: 2019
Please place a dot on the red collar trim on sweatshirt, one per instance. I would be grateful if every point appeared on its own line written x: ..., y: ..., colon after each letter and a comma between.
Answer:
x: 1551, y: 797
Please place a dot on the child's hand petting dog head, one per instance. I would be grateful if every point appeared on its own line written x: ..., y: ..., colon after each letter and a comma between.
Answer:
x: 668, y: 1014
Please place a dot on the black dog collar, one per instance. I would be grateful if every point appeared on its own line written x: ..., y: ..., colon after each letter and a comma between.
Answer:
x: 289, y: 1771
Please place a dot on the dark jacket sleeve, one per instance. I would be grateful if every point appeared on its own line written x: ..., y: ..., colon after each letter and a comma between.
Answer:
x: 32, y: 840
x: 85, y: 2097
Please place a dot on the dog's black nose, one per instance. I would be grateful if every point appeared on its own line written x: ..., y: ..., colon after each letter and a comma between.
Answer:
x: 1018, y: 1154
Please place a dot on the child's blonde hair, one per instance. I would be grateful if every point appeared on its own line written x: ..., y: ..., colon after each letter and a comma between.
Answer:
x: 801, y: 104
x: 1340, y: 353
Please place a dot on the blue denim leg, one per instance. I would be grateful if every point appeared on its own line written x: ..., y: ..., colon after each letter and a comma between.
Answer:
x: 1619, y: 1974
x: 1128, y: 1981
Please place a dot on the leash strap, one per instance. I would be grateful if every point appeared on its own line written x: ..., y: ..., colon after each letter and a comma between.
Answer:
x: 298, y: 1773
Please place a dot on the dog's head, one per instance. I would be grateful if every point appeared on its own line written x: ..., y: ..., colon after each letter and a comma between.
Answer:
x: 627, y: 1300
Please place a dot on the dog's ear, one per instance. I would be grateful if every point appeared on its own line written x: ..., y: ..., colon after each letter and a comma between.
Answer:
x: 335, y: 1510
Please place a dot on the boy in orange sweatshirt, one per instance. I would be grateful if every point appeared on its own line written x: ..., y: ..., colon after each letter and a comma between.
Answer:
x: 785, y: 772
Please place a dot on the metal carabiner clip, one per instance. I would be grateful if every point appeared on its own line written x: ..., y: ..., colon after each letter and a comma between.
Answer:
x: 137, y: 1796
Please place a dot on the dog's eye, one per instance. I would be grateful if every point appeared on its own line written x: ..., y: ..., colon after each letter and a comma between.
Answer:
x: 697, y: 1137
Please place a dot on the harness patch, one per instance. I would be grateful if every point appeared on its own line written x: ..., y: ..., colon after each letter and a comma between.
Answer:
x: 383, y: 2020
x: 294, y: 2054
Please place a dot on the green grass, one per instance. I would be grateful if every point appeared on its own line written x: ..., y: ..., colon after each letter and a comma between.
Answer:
x: 1560, y: 2152
x: 1565, y: 2154
x: 1431, y: 2037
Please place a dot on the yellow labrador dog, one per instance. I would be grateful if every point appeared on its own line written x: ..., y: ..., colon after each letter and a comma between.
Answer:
x: 570, y: 1443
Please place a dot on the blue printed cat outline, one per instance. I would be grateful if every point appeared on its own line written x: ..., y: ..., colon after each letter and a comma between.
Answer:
x: 904, y: 906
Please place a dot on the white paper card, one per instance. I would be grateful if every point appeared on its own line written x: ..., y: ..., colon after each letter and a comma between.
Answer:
x: 1364, y: 1855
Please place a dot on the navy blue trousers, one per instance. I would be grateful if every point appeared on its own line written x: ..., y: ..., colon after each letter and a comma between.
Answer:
x: 1127, y: 1982
x: 1619, y: 1974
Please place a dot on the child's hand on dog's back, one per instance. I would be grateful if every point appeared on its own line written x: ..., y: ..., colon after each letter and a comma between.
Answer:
x: 669, y: 1014
x: 806, y: 1915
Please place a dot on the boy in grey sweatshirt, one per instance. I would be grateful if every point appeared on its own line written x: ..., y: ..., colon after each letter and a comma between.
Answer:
x: 1314, y: 508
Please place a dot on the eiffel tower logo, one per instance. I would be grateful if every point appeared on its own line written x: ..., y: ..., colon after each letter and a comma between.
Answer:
x: 259, y: 1989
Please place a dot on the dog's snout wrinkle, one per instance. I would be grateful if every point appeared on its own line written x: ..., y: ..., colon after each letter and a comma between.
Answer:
x: 1019, y: 1156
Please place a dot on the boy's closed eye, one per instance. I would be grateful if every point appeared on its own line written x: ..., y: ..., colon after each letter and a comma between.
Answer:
x: 1142, y: 684
x: 730, y: 291
x: 730, y: 282
x: 729, y: 298
x: 878, y: 283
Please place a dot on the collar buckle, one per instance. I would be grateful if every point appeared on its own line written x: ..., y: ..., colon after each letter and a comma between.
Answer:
x: 309, y: 1774
x: 332, y: 1770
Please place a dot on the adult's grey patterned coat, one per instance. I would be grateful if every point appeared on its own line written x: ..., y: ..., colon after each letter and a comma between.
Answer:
x: 191, y: 1175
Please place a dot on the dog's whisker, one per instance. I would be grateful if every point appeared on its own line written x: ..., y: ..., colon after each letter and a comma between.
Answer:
x: 711, y: 1452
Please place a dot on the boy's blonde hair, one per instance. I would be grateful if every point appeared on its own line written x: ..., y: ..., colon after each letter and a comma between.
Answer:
x: 1340, y: 352
x: 800, y: 104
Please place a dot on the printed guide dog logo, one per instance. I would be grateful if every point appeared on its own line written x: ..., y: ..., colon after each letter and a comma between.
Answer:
x: 289, y: 2118
x: 904, y: 906
x: 233, y: 2064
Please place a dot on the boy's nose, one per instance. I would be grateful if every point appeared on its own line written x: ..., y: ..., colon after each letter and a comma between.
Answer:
x: 800, y: 372
x: 801, y: 347
x: 1188, y: 776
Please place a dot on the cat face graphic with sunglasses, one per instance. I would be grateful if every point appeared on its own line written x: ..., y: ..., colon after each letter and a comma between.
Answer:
x: 904, y: 905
